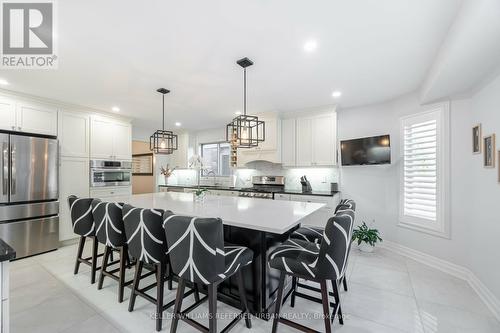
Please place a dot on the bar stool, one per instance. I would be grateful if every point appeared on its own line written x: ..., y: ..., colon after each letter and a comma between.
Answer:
x: 315, y: 262
x: 110, y: 232
x: 147, y: 244
x: 83, y: 224
x: 314, y: 234
x: 198, y: 254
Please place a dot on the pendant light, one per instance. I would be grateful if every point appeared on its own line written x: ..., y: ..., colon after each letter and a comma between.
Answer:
x: 245, y: 131
x: 163, y: 142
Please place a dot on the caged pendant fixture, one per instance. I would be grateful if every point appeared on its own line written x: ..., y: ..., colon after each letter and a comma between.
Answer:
x: 163, y: 142
x: 245, y: 131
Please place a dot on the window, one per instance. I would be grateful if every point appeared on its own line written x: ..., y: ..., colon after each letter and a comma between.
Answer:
x: 216, y: 158
x: 425, y: 171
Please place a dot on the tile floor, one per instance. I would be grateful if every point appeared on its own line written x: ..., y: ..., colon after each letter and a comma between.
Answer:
x: 388, y: 293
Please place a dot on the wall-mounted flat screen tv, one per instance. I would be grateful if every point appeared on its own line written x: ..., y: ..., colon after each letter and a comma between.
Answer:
x: 366, y: 151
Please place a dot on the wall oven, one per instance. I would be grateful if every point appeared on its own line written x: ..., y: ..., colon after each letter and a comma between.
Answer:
x: 110, y: 173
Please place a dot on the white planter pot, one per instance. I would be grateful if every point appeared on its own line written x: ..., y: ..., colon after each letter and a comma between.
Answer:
x: 365, y: 247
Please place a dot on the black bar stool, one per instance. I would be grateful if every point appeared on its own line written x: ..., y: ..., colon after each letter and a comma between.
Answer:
x: 315, y: 262
x: 83, y: 224
x: 314, y: 234
x: 198, y: 254
x: 147, y: 244
x: 110, y: 232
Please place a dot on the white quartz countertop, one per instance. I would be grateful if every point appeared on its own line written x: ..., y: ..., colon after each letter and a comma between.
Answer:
x: 274, y: 216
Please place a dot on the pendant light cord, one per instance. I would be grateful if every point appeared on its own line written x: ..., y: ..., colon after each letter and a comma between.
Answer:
x: 245, y: 91
x: 163, y: 113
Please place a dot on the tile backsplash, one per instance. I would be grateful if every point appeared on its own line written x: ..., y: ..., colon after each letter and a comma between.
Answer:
x: 320, y: 178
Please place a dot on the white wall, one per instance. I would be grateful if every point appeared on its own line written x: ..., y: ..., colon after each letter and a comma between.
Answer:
x: 475, y: 192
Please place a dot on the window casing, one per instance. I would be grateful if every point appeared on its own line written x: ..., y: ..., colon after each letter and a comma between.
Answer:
x: 216, y: 158
x: 424, y: 183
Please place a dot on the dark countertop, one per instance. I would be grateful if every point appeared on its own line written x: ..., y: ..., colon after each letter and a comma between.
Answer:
x: 6, y: 252
x: 317, y: 193
x: 226, y: 188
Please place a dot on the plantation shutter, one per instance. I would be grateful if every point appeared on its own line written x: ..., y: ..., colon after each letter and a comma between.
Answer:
x: 420, y: 169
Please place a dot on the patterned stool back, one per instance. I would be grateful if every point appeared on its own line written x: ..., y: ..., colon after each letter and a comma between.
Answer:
x: 196, y: 247
x: 335, y: 245
x: 346, y: 203
x: 80, y: 210
x: 108, y: 218
x: 145, y: 235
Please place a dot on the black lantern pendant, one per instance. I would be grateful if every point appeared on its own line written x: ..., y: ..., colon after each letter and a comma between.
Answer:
x: 245, y: 131
x: 163, y: 142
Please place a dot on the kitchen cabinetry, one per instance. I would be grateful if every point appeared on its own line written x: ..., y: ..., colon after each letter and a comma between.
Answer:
x: 319, y: 217
x: 74, y: 134
x: 179, y: 159
x: 36, y: 118
x: 109, y: 193
x: 110, y: 139
x: 310, y: 140
x: 27, y: 117
x: 74, y: 180
x: 7, y: 114
x: 270, y: 149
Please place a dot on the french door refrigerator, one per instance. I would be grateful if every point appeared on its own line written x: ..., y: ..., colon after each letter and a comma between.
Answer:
x: 29, y: 206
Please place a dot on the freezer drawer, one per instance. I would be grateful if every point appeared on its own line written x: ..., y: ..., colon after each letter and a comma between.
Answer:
x: 30, y: 237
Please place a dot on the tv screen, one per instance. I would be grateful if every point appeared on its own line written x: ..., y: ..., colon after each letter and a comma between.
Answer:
x: 366, y: 151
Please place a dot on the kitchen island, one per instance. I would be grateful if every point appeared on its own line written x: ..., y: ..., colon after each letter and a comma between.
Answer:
x: 259, y: 224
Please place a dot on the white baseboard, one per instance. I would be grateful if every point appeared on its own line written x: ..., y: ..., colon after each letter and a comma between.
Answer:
x: 491, y: 301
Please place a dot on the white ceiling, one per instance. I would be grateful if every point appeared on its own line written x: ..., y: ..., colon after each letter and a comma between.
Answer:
x: 118, y: 52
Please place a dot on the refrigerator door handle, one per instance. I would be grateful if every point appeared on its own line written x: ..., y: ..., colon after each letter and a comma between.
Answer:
x: 5, y: 168
x: 13, y: 169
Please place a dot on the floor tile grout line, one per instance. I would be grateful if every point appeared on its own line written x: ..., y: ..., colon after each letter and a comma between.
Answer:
x: 419, y: 310
x: 92, y: 306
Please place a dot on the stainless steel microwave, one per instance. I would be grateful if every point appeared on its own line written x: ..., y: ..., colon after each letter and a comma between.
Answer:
x: 110, y: 173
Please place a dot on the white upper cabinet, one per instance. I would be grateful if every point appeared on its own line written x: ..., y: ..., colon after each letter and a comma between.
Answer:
x: 7, y: 114
x: 28, y: 117
x: 74, y: 133
x: 324, y: 138
x: 288, y: 139
x: 110, y: 139
x: 122, y: 141
x: 36, y: 118
x: 304, y: 142
x: 310, y: 140
x: 179, y: 159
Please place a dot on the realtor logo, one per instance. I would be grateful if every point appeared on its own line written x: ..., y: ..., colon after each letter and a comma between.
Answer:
x: 28, y: 35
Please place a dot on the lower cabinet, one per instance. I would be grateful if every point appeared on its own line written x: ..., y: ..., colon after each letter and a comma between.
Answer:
x: 108, y: 193
x: 321, y: 216
x: 74, y: 180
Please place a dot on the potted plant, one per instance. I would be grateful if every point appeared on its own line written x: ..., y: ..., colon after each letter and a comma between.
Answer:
x: 366, y: 237
x: 199, y: 194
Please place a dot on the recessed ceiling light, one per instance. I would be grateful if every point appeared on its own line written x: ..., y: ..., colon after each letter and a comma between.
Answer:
x: 178, y: 124
x: 4, y: 82
x: 310, y: 45
x: 336, y: 94
x: 115, y: 109
x: 237, y: 113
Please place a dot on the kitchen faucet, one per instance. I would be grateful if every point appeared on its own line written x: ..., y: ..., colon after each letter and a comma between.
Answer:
x: 211, y: 172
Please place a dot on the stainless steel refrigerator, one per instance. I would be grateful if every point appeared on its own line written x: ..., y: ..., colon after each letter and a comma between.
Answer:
x: 29, y: 206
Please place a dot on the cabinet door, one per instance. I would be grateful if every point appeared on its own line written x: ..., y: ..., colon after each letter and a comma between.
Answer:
x: 271, y: 134
x: 324, y: 139
x: 101, y: 138
x: 36, y: 118
x: 288, y: 142
x: 122, y: 141
x: 73, y: 179
x: 74, y: 134
x: 282, y: 196
x: 304, y: 142
x: 7, y: 114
